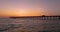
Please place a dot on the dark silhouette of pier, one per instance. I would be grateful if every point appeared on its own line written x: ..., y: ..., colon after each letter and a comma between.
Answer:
x: 43, y: 17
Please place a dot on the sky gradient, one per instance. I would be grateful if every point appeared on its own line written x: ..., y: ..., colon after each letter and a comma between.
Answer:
x: 29, y: 7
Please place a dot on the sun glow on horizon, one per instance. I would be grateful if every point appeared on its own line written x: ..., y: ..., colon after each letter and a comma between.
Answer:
x: 28, y: 13
x: 21, y: 12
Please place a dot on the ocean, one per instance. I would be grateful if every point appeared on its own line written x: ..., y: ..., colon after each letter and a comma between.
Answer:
x: 29, y: 25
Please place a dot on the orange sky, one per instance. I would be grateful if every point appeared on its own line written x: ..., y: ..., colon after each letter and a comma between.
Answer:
x: 29, y: 7
x: 20, y: 12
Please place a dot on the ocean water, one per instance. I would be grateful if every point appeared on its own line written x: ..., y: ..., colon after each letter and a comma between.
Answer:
x: 29, y: 25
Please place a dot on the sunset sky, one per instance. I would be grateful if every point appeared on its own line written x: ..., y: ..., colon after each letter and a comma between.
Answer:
x: 29, y: 7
